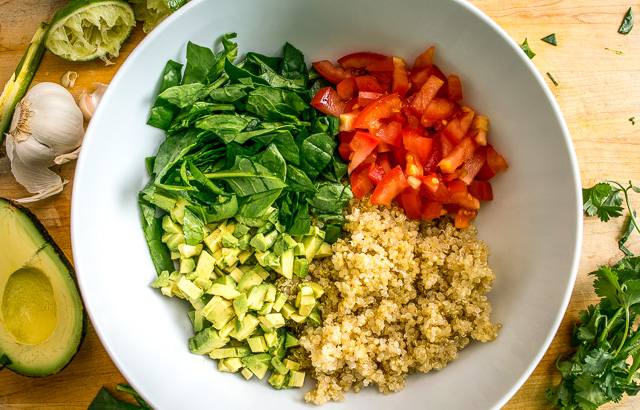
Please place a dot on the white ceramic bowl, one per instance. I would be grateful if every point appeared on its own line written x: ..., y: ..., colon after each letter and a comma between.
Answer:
x: 533, y: 227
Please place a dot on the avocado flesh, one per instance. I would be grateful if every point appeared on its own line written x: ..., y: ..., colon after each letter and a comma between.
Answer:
x: 42, y: 319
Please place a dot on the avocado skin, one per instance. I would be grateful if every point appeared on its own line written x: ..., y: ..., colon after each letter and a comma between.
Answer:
x: 47, y: 239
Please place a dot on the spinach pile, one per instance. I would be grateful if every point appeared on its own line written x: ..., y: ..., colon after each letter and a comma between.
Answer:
x: 241, y: 139
x: 607, y: 341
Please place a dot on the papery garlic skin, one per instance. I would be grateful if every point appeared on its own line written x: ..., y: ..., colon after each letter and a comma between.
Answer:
x: 47, y: 123
x: 88, y: 102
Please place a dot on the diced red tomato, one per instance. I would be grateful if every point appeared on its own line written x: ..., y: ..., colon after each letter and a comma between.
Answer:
x: 446, y: 146
x: 454, y: 88
x: 495, y: 161
x: 426, y: 94
x: 425, y: 59
x: 481, y: 190
x: 434, y: 188
x: 360, y: 59
x: 431, y: 209
x: 360, y: 182
x: 371, y: 115
x: 376, y: 173
x: 331, y: 73
x: 347, y: 88
x: 473, y: 165
x: 414, y: 166
x: 347, y: 119
x: 328, y: 102
x: 412, y: 203
x: 391, y: 133
x: 369, y: 83
x: 391, y: 186
x: 415, y: 143
x: 439, y: 109
x: 400, y: 77
x: 362, y: 145
x: 383, y: 161
x: 480, y: 127
x: 431, y: 164
x: 419, y: 76
x: 367, y: 97
x: 464, y: 217
x: 383, y: 71
x: 461, y: 196
x: 457, y: 128
x: 458, y: 155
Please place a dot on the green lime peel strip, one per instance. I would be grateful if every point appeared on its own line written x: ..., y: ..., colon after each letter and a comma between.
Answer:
x: 21, y: 79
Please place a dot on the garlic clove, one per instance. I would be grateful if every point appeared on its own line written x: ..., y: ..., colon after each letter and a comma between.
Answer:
x: 33, y: 153
x: 53, y: 190
x: 88, y: 102
x: 68, y: 79
x: 36, y: 180
x: 63, y: 159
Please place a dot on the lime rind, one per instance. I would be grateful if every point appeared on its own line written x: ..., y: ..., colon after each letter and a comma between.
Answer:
x: 153, y: 12
x: 90, y: 30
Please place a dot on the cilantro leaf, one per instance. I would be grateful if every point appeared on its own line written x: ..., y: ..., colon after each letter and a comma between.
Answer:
x: 627, y: 22
x: 602, y: 200
x: 551, y: 39
x: 527, y: 50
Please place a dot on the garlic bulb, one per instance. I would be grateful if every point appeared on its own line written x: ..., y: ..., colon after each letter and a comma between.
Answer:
x: 88, y: 102
x: 47, y: 128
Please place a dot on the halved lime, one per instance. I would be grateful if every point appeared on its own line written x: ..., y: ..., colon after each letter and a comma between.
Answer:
x: 87, y: 29
x: 152, y: 12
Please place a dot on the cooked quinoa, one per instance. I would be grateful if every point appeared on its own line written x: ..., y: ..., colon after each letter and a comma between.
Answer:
x: 401, y: 297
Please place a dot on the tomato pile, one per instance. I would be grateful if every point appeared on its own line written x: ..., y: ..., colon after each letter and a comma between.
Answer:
x: 407, y: 136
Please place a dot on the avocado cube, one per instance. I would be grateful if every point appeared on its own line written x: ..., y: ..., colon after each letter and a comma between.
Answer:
x: 197, y: 320
x: 162, y: 280
x: 189, y: 289
x: 174, y: 255
x: 265, y: 228
x: 318, y: 290
x: 296, y: 379
x: 301, y: 267
x: 312, y: 245
x: 290, y: 341
x: 287, y: 263
x: 226, y: 280
x: 205, y: 265
x: 281, y: 299
x: 173, y: 240
x: 204, y: 284
x: 246, y: 373
x: 257, y: 344
x: 287, y: 310
x: 271, y: 238
x: 271, y: 339
x: 257, y: 363
x: 277, y: 380
x: 222, y: 367
x: 258, y: 242
x: 187, y: 265
x: 213, y: 240
x: 244, y: 242
x: 189, y: 251
x: 249, y: 324
x: 290, y: 364
x: 272, y: 261
x: 241, y: 229
x: 223, y: 353
x: 250, y: 278
x: 244, y: 256
x: 314, y: 317
x: 278, y: 349
x: 233, y: 364
x: 298, y: 318
x: 170, y: 226
x: 256, y: 295
x: 243, y: 350
x: 271, y: 214
x: 273, y: 320
x: 240, y: 306
x: 219, y: 312
x: 228, y: 328
x: 224, y: 291
x: 303, y: 290
x: 206, y: 340
x: 324, y: 251
x: 178, y: 211
x: 229, y: 240
x: 266, y: 308
x: 299, y: 249
x: 236, y: 274
x: 278, y: 366
x: 283, y: 244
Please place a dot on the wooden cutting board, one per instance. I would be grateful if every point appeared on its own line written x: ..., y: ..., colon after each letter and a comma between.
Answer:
x: 598, y: 74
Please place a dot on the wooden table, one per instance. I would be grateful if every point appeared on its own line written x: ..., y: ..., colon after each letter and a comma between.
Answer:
x: 598, y: 71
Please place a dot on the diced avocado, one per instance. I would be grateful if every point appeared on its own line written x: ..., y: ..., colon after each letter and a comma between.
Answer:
x: 271, y: 339
x: 205, y: 265
x: 258, y: 241
x: 229, y: 327
x: 332, y: 232
x: 189, y: 288
x: 243, y: 350
x: 261, y: 257
x: 233, y: 364
x: 228, y: 227
x: 273, y: 320
x: 189, y: 251
x: 287, y: 263
x: 207, y: 340
x: 219, y: 312
x: 324, y: 251
x: 244, y: 242
x: 240, y: 306
x: 244, y: 256
x: 257, y: 363
x: 283, y: 244
x: 187, y: 265
x: 299, y: 249
x: 296, y: 379
x: 287, y: 310
x: 271, y: 238
x: 222, y: 367
x: 178, y: 211
x: 249, y: 324
x: 241, y: 230
x: 226, y: 280
x: 257, y: 344
x: 314, y: 317
x: 272, y: 290
x: 281, y: 299
x: 174, y: 255
x: 204, y: 284
x: 311, y: 245
x: 170, y: 226
x: 298, y: 318
x: 246, y: 373
x: 265, y: 309
x: 173, y: 240
x: 256, y: 295
x: 250, y: 278
x: 197, y: 320
x: 223, y: 353
x: 252, y: 222
x: 278, y: 349
x: 291, y: 341
x: 213, y: 240
x: 236, y: 274
x: 265, y: 229
x: 301, y: 267
x: 271, y: 260
x: 271, y: 214
x: 163, y: 280
x: 277, y: 380
x: 278, y: 366
x: 303, y: 290
x: 225, y: 291
x: 229, y: 240
x: 290, y: 364
x: 318, y: 290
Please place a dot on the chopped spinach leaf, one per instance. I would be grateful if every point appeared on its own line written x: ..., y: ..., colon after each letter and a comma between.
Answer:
x: 627, y: 22
x: 527, y: 50
x: 551, y: 39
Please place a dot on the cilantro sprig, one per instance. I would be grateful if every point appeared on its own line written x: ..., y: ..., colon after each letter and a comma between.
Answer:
x: 606, y: 342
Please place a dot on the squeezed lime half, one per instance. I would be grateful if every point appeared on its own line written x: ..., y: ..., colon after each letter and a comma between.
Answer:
x: 87, y: 29
x: 152, y: 12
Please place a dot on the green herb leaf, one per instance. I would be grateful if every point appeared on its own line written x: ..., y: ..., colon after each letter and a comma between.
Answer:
x: 127, y: 389
x: 633, y: 120
x: 105, y: 401
x: 627, y: 22
x: 527, y: 50
x: 553, y: 80
x: 551, y: 39
x: 602, y: 200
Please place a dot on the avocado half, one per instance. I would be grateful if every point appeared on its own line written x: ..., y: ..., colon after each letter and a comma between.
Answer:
x: 42, y: 318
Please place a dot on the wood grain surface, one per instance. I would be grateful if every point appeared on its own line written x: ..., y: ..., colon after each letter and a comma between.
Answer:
x: 598, y: 74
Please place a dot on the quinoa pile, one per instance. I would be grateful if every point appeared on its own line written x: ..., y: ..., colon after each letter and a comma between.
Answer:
x: 401, y: 297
